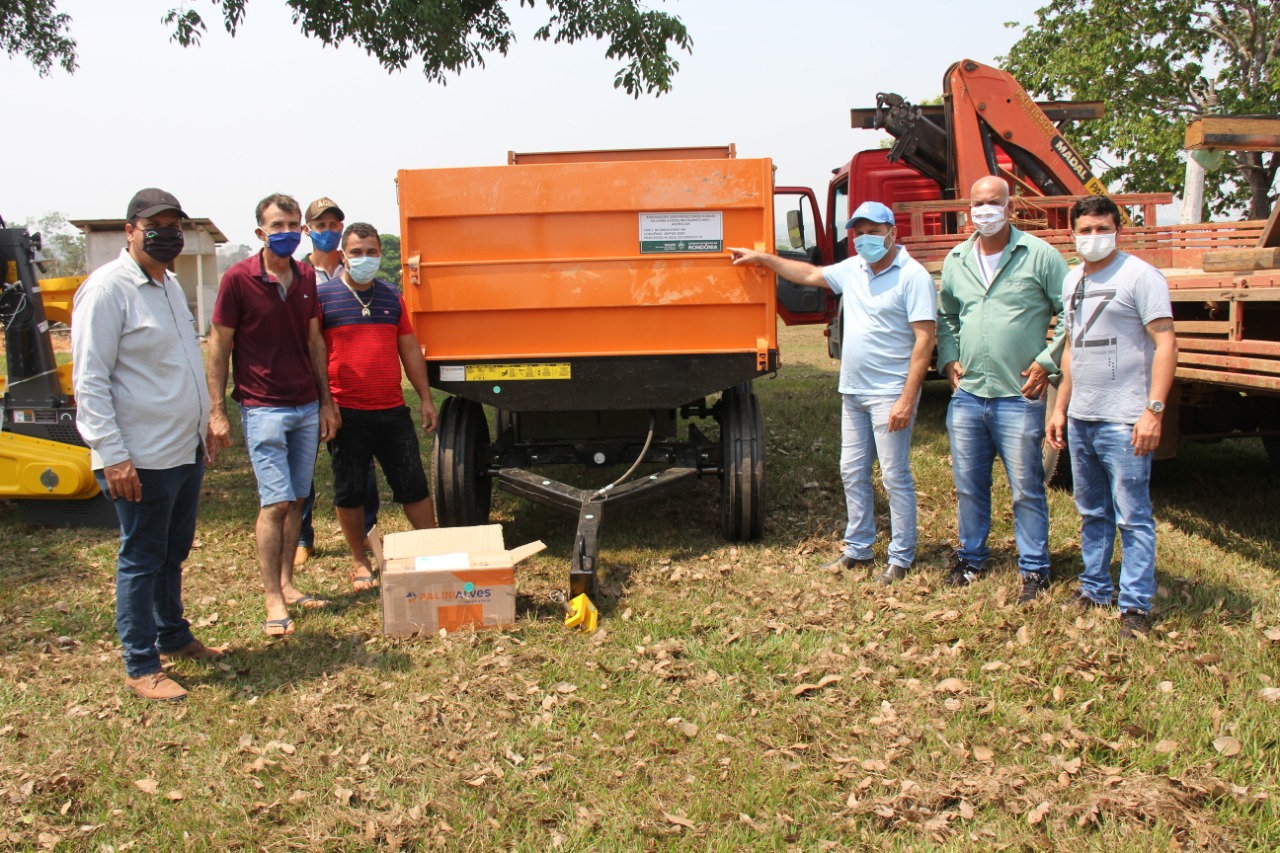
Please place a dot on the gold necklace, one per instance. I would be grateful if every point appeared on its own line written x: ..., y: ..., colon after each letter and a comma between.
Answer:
x: 364, y: 306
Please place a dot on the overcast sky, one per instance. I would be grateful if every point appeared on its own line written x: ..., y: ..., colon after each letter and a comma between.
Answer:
x: 223, y: 124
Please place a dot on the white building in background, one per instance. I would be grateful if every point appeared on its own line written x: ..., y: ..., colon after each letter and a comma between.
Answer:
x: 196, y: 267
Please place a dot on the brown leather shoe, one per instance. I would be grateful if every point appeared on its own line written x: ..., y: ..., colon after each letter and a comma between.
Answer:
x: 304, y: 553
x: 156, y: 685
x: 195, y: 650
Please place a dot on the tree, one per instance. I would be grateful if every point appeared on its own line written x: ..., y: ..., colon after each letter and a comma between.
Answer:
x: 1158, y: 64
x: 447, y: 35
x: 61, y: 245
x: 232, y: 253
x: 389, y: 269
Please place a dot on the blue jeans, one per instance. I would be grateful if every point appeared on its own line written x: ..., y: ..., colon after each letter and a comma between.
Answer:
x: 307, y: 535
x: 282, y: 443
x: 1013, y: 427
x: 864, y: 437
x: 1113, y: 489
x: 155, y: 537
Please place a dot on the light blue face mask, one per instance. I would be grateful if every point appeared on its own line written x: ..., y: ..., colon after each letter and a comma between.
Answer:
x: 325, y: 241
x: 362, y: 270
x: 870, y: 247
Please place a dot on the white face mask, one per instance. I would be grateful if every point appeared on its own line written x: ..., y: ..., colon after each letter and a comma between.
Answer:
x: 988, y: 218
x: 1095, y: 247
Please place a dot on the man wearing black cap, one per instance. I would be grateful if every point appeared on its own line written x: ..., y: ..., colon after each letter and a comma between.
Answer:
x: 143, y: 411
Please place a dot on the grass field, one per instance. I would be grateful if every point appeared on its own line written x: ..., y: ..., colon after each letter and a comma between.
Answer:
x: 735, y: 697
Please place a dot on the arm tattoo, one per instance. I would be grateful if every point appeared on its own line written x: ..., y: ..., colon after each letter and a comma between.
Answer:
x: 1162, y: 325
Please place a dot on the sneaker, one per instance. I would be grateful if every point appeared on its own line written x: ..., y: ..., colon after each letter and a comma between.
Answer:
x: 891, y: 574
x: 963, y: 573
x: 1084, y: 602
x: 846, y: 562
x: 156, y: 685
x: 302, y: 554
x: 195, y: 650
x: 1134, y: 623
x: 1033, y: 586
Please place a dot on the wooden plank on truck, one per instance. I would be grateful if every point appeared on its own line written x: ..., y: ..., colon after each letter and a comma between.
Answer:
x: 1243, y: 381
x: 1234, y: 133
x: 1241, y: 260
x: 1270, y: 235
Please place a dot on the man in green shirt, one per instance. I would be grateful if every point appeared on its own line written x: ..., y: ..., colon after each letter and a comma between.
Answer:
x: 1000, y: 291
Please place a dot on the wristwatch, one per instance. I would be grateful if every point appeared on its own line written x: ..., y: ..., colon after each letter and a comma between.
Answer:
x: 1156, y: 406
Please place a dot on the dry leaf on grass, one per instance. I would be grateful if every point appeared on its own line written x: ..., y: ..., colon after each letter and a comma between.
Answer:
x: 1227, y: 745
x: 147, y: 786
x: 950, y: 685
x: 564, y: 687
x: 175, y: 796
x: 344, y: 795
x: 678, y: 820
x: 1166, y: 746
x: 1272, y: 634
x: 983, y: 753
x: 966, y: 810
x: 1269, y: 694
x: 1037, y: 814
x: 1165, y: 687
x: 821, y: 683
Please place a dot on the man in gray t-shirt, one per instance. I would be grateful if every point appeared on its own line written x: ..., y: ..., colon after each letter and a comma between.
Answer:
x: 1117, y: 371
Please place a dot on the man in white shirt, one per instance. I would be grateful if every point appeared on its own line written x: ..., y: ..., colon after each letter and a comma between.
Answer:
x: 143, y: 411
x: 890, y: 311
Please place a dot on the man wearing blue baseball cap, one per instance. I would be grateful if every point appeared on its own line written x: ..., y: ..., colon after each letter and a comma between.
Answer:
x: 890, y: 310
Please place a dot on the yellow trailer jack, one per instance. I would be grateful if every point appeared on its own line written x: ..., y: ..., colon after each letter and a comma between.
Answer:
x: 579, y: 612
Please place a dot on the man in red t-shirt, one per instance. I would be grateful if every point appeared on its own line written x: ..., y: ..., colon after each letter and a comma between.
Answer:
x: 266, y: 321
x: 368, y: 336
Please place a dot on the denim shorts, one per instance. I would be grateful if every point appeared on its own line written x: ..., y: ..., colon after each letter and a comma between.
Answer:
x: 282, y: 442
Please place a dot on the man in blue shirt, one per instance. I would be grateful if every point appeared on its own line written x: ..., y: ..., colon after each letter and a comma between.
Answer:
x: 890, y: 311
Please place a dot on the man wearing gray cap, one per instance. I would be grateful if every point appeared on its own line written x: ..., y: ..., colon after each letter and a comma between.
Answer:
x: 890, y: 308
x: 143, y: 411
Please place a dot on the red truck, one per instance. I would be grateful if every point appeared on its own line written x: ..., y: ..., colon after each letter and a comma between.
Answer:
x: 1222, y: 276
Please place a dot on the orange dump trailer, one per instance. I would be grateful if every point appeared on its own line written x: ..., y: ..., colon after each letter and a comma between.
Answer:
x: 589, y: 298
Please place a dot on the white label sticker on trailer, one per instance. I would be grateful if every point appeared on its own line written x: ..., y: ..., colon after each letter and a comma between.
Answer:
x: 690, y: 231
x: 453, y: 373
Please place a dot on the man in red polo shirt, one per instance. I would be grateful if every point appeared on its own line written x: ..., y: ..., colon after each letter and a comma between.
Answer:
x: 368, y: 336
x: 266, y: 321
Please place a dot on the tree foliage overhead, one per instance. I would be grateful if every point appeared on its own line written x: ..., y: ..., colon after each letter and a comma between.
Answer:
x: 1158, y: 64
x: 36, y: 30
x: 447, y: 36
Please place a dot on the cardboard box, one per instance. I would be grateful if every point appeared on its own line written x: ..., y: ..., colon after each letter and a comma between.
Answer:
x: 451, y: 578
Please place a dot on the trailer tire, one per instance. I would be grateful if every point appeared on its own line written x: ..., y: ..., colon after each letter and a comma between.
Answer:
x: 742, y: 470
x: 459, y: 465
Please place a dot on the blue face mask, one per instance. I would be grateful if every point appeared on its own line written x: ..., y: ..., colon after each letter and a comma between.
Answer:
x: 285, y: 243
x: 870, y: 247
x: 325, y: 241
x: 362, y: 270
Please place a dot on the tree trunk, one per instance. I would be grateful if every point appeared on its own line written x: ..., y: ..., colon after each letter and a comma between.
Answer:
x: 1261, y: 173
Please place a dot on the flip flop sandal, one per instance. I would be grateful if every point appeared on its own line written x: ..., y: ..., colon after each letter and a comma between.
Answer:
x: 363, y: 583
x: 278, y: 627
x: 308, y: 602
